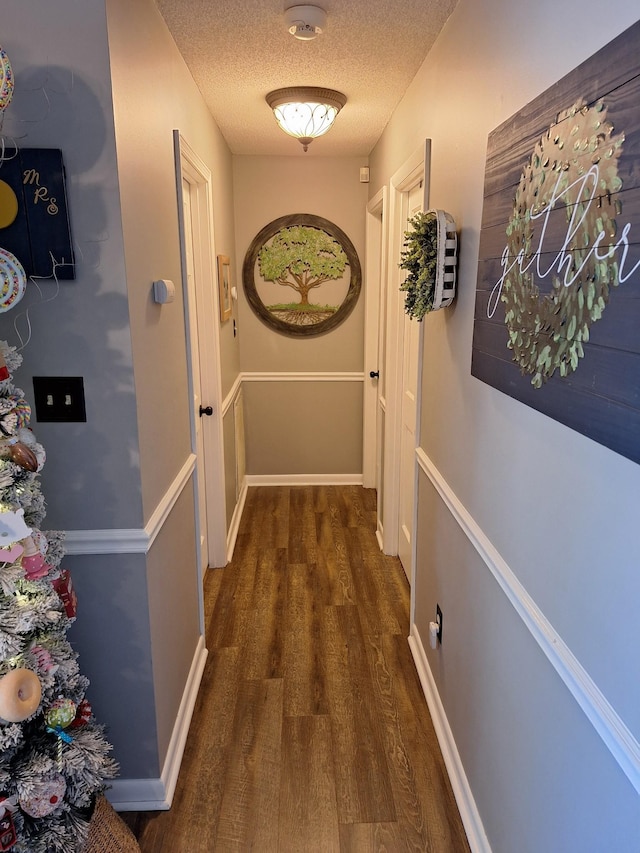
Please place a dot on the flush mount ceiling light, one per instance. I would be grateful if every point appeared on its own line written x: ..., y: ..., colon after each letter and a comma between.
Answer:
x: 305, y: 111
x: 305, y: 22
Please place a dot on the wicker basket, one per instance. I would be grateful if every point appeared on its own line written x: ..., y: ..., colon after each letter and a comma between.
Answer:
x: 108, y: 833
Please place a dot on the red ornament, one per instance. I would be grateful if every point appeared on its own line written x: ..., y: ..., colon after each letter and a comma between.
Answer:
x: 83, y: 715
x: 7, y: 830
x: 64, y: 587
x: 4, y: 374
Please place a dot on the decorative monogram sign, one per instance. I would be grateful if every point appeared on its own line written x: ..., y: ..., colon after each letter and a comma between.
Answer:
x: 557, y: 319
x: 36, y: 226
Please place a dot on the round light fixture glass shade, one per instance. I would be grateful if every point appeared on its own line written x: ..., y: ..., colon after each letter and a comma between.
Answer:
x: 305, y: 112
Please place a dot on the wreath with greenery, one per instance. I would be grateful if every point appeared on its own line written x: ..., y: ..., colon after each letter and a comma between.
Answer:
x: 547, y: 330
x: 419, y: 258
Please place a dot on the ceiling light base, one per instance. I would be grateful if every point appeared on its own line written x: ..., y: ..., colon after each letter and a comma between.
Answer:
x: 305, y: 22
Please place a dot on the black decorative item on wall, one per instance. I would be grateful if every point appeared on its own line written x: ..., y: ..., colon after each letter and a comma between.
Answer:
x: 558, y: 294
x: 37, y: 229
x: 313, y: 258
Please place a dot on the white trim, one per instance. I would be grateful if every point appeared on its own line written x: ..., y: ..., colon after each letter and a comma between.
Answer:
x: 304, y: 479
x: 161, y: 512
x: 270, y: 376
x: 157, y: 794
x: 134, y: 540
x: 469, y: 813
x: 116, y: 541
x: 235, y: 521
x: 228, y: 400
x: 618, y: 738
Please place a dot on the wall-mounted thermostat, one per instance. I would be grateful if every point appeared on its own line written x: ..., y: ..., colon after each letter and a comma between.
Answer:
x: 164, y: 291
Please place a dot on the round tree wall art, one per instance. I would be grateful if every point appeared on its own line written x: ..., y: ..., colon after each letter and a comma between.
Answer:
x: 301, y: 275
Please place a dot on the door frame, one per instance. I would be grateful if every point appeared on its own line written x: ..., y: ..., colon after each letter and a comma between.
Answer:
x: 376, y: 275
x: 190, y: 167
x: 414, y: 170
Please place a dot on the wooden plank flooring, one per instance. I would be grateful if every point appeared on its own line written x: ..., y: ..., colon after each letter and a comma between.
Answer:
x: 311, y: 732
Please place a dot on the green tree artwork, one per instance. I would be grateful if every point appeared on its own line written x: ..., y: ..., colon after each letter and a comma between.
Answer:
x: 302, y: 258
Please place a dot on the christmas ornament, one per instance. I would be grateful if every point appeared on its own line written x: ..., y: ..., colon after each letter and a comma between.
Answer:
x: 61, y: 713
x: 46, y: 797
x: 8, y: 418
x: 6, y: 80
x: 32, y: 561
x: 8, y: 835
x: 4, y: 370
x: 83, y: 715
x: 44, y: 659
x: 12, y: 527
x: 13, y: 279
x: 20, y: 694
x: 64, y: 587
x: 10, y: 555
x: 19, y: 453
x: 21, y: 409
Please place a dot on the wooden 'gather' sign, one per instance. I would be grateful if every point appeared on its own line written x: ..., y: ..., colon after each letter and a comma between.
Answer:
x: 557, y: 317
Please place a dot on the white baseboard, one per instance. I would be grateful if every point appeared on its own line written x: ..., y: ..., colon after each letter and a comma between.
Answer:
x: 235, y: 522
x: 128, y: 795
x: 304, y: 479
x: 472, y: 823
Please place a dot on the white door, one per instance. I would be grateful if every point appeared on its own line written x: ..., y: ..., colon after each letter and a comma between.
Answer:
x: 200, y: 410
x: 374, y: 351
x: 408, y: 194
x: 203, y: 346
x: 412, y: 204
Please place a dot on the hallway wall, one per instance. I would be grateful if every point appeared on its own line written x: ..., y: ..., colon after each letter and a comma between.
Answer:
x: 121, y: 484
x: 527, y: 531
x: 312, y: 425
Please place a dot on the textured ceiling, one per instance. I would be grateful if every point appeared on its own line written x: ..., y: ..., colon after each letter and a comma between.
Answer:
x: 238, y: 50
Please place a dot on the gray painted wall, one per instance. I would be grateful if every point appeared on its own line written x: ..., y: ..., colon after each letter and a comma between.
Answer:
x: 560, y: 509
x: 63, y: 100
x: 265, y: 189
x: 137, y: 626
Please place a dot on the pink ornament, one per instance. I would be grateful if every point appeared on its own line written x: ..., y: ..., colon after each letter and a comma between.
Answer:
x: 10, y: 555
x: 46, y: 798
x: 33, y: 562
x: 44, y: 659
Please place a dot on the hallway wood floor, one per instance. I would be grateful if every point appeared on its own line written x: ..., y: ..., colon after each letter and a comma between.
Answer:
x: 311, y: 732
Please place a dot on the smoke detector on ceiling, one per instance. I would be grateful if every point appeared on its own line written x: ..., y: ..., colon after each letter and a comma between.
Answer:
x: 305, y: 22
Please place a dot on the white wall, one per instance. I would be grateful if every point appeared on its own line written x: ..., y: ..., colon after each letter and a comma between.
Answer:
x: 560, y: 509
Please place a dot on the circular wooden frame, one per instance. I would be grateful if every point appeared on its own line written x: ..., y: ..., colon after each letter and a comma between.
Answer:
x: 249, y: 267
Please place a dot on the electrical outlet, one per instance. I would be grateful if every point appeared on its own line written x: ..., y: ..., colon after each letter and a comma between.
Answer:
x: 59, y: 399
x: 439, y: 621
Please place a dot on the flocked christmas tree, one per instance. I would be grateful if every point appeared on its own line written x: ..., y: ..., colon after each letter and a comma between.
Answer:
x: 54, y: 758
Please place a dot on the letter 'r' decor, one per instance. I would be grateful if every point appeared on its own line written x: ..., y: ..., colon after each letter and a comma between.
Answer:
x: 557, y: 315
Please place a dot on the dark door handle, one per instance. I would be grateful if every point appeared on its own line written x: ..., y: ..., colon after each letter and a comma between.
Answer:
x: 374, y: 374
x: 206, y: 410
